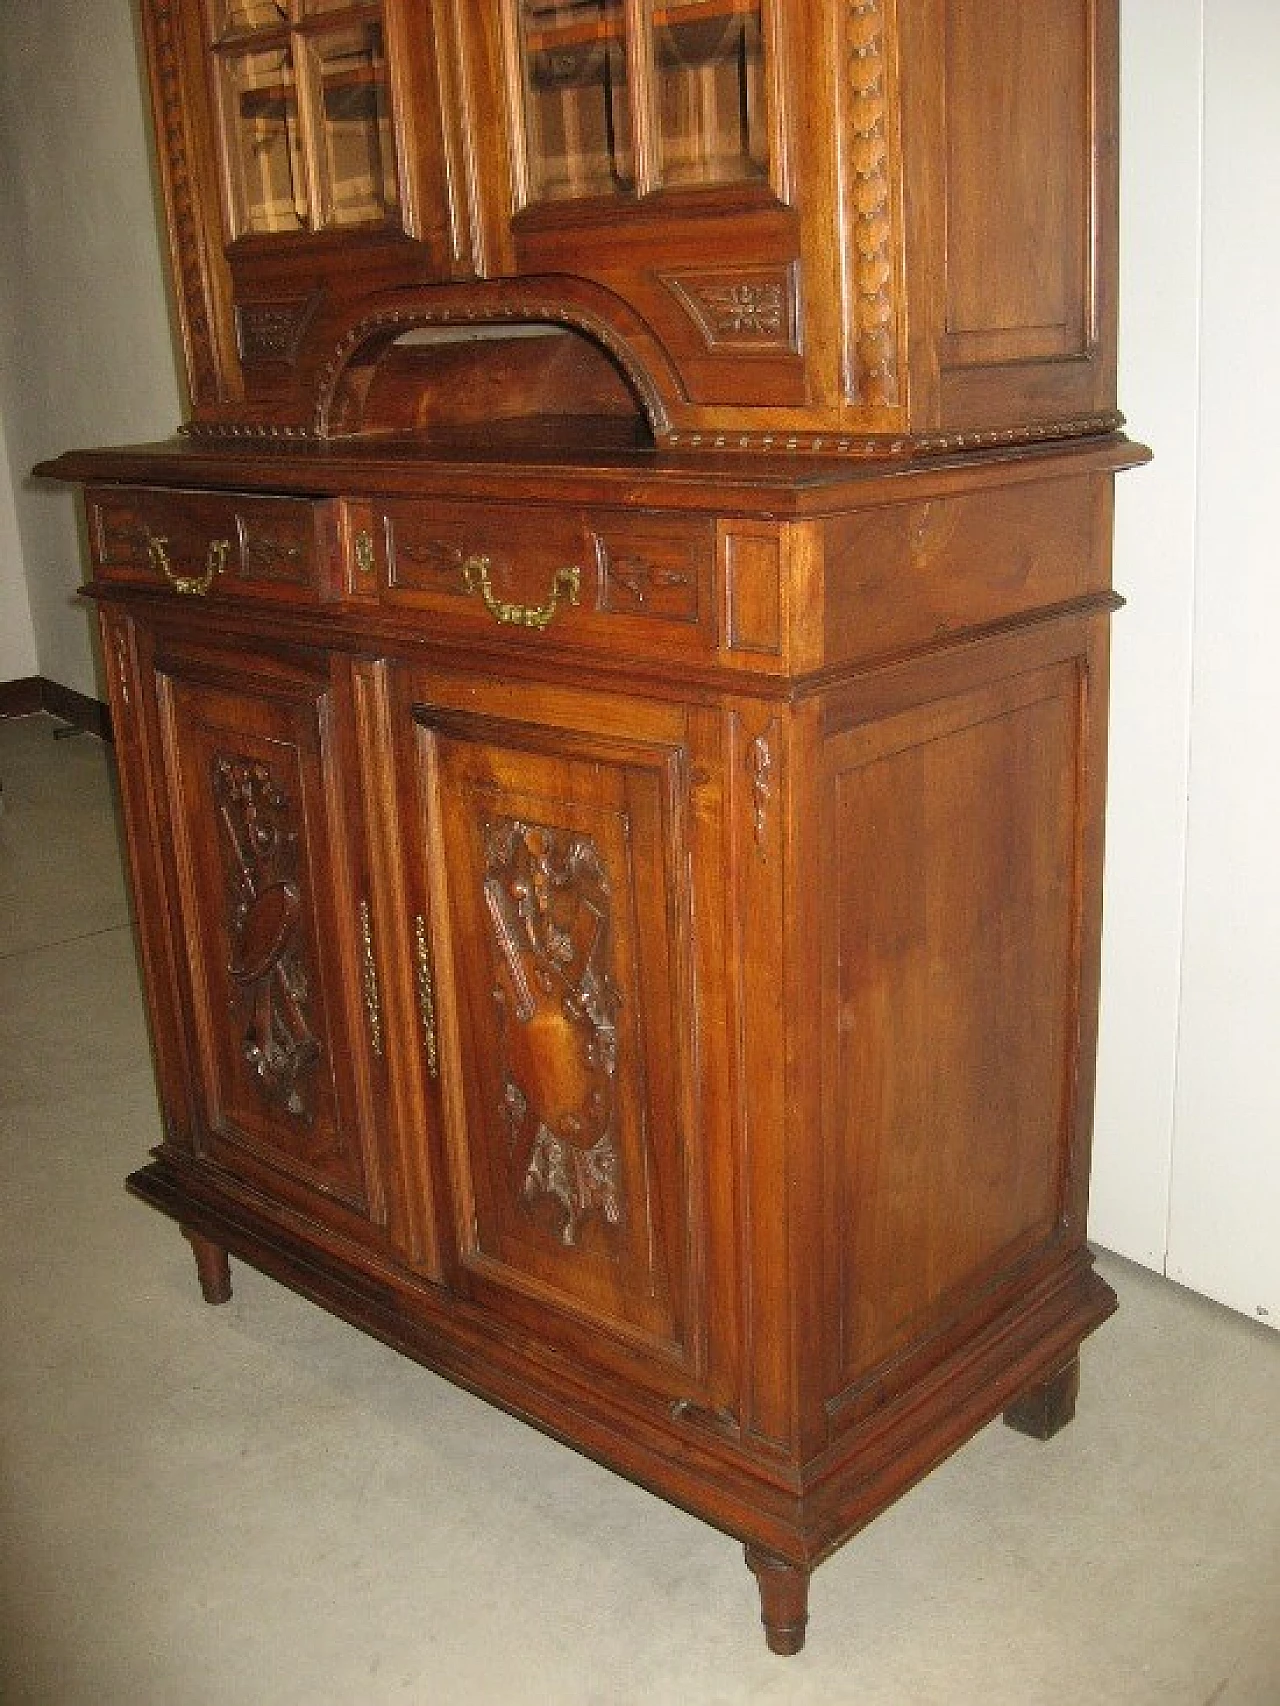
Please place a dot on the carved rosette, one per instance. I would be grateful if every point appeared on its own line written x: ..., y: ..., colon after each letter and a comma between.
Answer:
x: 751, y: 311
x: 270, y: 988
x: 871, y: 209
x: 549, y: 907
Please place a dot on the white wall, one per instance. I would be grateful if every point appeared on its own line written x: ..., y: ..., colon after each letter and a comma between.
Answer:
x: 17, y: 636
x: 1224, y: 1234
x: 86, y: 355
x: 1188, y: 1135
x: 1160, y: 155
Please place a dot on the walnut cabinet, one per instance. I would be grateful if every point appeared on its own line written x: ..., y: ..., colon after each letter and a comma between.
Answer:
x: 610, y: 687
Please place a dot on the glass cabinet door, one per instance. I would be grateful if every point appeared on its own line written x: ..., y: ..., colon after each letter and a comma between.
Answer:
x: 577, y: 105
x: 709, y: 76
x: 306, y: 115
x: 627, y: 97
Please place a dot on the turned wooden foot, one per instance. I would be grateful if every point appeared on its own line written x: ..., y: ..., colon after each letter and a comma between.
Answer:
x: 212, y: 1266
x: 1045, y: 1410
x: 784, y: 1600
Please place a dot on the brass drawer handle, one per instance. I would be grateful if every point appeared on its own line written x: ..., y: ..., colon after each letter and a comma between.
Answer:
x: 196, y: 585
x: 567, y: 583
x: 426, y: 996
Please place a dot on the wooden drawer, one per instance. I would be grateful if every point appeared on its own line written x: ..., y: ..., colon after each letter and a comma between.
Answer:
x: 630, y: 581
x: 210, y: 544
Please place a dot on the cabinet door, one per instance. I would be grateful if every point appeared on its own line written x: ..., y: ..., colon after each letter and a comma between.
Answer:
x: 274, y: 926
x: 559, y: 937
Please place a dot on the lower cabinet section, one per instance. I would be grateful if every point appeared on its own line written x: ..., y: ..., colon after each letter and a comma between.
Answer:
x: 698, y: 1065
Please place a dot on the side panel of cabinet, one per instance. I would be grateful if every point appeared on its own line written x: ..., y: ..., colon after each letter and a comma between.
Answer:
x: 561, y: 945
x: 960, y: 900
x: 1010, y: 177
x: 270, y: 906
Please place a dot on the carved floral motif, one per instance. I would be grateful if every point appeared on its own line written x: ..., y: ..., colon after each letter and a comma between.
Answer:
x: 739, y: 310
x: 743, y: 310
x: 760, y: 764
x: 549, y: 905
x: 270, y: 987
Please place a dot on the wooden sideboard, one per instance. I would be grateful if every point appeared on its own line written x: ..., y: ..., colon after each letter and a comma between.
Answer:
x: 610, y: 697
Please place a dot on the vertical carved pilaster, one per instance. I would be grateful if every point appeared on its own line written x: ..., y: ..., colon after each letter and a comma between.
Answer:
x: 870, y: 208
x: 202, y: 364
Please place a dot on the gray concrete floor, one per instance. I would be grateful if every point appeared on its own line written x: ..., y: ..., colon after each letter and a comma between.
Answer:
x: 257, y: 1506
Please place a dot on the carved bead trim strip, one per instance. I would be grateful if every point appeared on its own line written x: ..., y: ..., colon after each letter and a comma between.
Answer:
x: 875, y: 313
x: 843, y: 444
x: 1080, y: 426
x: 245, y: 429
x: 205, y: 385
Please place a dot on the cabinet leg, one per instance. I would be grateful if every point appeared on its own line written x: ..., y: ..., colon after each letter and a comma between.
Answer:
x: 784, y: 1600
x: 1045, y: 1410
x: 211, y: 1265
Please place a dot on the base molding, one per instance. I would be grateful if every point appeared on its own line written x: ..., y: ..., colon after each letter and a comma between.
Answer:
x: 34, y: 693
x: 789, y: 1517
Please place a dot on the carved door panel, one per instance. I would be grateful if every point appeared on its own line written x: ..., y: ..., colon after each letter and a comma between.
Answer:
x: 275, y: 933
x: 554, y: 865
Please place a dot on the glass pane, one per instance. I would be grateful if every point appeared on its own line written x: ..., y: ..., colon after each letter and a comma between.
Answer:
x: 262, y: 104
x: 710, y: 90
x: 359, y: 149
x: 577, y: 117
x: 255, y: 14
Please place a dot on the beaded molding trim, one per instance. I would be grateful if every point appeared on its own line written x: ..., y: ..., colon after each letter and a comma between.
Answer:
x: 520, y: 310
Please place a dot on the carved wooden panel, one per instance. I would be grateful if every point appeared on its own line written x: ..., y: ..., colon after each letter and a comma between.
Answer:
x: 270, y: 995
x: 740, y: 309
x: 561, y: 937
x: 651, y: 567
x: 550, y: 906
x: 949, y: 1008
x: 272, y: 331
x: 259, y: 874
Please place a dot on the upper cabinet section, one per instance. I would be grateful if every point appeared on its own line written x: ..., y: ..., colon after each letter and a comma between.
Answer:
x: 844, y: 226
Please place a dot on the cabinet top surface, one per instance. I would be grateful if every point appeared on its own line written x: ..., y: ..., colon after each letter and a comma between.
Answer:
x: 783, y: 486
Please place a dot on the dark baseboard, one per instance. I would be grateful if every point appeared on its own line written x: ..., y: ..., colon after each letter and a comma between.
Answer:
x: 21, y: 698
x: 34, y: 693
